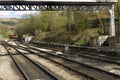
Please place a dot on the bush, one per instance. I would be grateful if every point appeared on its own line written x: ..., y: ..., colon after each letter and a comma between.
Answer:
x: 80, y: 42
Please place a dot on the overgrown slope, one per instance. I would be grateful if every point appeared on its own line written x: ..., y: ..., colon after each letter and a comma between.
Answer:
x: 73, y: 27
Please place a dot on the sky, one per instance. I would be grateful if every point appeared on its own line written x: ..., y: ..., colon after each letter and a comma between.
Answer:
x: 16, y: 14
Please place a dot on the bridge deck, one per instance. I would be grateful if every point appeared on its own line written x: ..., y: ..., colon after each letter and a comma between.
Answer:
x: 89, y: 3
x: 55, y: 5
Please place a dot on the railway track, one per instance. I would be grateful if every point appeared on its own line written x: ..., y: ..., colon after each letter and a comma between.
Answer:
x: 93, y: 53
x: 104, y: 62
x: 103, y: 56
x: 92, y: 56
x: 61, y: 64
x: 32, y: 70
x: 99, y: 58
x: 86, y: 69
x: 88, y: 51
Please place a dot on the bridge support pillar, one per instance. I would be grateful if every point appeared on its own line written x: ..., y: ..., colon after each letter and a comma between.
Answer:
x: 112, y: 21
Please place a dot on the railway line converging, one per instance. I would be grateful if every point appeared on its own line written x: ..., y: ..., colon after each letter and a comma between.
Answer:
x: 34, y: 62
x: 30, y: 69
x: 94, y: 58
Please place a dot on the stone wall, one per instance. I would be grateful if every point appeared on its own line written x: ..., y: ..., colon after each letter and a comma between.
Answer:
x: 113, y: 41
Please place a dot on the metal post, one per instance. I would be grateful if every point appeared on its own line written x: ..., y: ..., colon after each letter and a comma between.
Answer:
x: 112, y: 21
x: 66, y: 48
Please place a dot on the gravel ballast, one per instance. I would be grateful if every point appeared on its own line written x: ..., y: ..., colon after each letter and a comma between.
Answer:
x: 60, y: 71
x: 8, y: 70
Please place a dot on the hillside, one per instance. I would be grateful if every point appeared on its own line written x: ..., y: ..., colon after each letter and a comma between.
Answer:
x: 9, y: 22
x: 70, y: 27
x: 7, y: 25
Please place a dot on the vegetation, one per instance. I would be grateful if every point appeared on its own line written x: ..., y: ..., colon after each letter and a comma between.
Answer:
x: 70, y: 26
x: 7, y: 26
x: 73, y: 27
x: 4, y: 31
x: 9, y: 22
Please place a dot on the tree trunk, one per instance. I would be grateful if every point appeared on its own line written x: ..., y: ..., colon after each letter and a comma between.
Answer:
x: 101, y: 24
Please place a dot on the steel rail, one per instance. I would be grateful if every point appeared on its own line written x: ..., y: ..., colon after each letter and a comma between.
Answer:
x: 51, y: 75
x: 97, y: 69
x: 12, y: 54
x: 103, y: 58
x: 112, y: 74
x: 82, y: 74
x: 86, y: 53
x: 106, y: 57
x: 99, y: 59
x: 91, y: 57
x: 88, y: 66
x: 79, y: 48
x: 17, y: 64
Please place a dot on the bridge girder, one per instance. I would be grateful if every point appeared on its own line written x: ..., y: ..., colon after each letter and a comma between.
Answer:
x: 51, y: 8
x: 54, y: 6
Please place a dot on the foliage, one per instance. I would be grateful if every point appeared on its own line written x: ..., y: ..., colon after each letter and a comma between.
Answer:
x: 50, y: 21
x: 9, y: 21
x: 81, y: 42
x: 4, y: 31
x: 57, y: 25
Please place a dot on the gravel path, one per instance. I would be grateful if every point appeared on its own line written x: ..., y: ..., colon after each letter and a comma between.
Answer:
x: 63, y: 73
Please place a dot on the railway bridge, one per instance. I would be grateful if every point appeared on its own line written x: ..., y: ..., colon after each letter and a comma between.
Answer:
x: 63, y: 5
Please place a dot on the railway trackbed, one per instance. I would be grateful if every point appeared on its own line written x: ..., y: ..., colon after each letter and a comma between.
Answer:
x: 98, y: 74
x: 93, y: 55
x: 80, y: 76
x: 101, y: 61
x: 30, y: 69
x: 84, y: 76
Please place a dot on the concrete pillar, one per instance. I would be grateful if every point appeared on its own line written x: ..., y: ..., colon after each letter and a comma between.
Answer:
x: 112, y: 21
